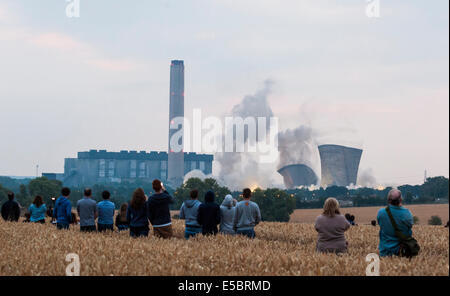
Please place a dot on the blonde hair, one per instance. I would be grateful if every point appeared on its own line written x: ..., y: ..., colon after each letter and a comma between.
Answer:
x: 331, y: 207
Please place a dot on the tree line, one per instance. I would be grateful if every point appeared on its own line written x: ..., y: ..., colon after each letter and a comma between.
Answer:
x: 275, y: 204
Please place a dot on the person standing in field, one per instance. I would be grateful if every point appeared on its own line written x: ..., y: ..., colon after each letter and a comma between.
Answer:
x: 247, y: 215
x: 37, y: 210
x: 137, y: 214
x: 159, y: 212
x: 105, y: 209
x: 189, y: 212
x: 87, y: 211
x: 122, y: 222
x: 331, y: 226
x: 11, y: 209
x: 63, y: 210
x: 389, y: 243
x: 209, y: 215
x: 227, y: 212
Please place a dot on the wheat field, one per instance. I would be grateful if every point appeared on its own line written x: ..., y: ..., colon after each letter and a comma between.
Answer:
x: 280, y: 249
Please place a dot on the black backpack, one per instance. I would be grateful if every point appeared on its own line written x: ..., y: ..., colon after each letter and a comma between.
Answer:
x: 408, y: 245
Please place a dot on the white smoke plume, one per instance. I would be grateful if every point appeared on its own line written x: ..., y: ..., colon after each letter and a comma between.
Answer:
x: 366, y: 178
x: 243, y: 169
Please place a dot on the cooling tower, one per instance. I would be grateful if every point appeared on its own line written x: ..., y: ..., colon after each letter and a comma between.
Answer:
x: 175, y: 170
x: 339, y: 165
x: 296, y: 175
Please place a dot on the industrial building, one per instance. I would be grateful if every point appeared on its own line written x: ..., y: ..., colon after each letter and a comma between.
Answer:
x: 339, y: 165
x: 96, y: 167
x: 296, y: 175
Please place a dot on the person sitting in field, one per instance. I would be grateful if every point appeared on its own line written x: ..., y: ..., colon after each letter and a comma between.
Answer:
x: 137, y: 214
x: 374, y: 222
x: 87, y: 210
x: 189, y: 212
x: 63, y: 210
x: 11, y: 209
x: 227, y: 212
x: 331, y: 226
x: 247, y: 215
x: 121, y: 219
x: 159, y: 212
x: 27, y: 217
x: 106, y: 210
x: 37, y: 210
x: 352, y: 220
x: 209, y: 215
x: 389, y: 243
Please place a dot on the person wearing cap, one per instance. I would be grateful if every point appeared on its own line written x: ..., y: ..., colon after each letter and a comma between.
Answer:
x: 389, y: 243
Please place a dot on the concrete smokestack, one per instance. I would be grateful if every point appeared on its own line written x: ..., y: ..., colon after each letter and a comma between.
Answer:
x: 175, y: 170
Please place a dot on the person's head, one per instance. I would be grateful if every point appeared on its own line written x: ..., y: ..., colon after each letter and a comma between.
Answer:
x: 373, y: 222
x: 123, y: 211
x: 247, y: 193
x: 88, y: 192
x: 194, y: 194
x: 138, y: 199
x: 38, y: 201
x: 209, y: 196
x: 10, y: 195
x: 228, y: 201
x: 65, y: 192
x: 331, y: 207
x: 106, y: 194
x: 157, y: 185
x: 395, y: 197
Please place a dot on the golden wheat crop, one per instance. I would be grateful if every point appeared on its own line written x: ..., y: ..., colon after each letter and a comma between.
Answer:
x: 280, y: 249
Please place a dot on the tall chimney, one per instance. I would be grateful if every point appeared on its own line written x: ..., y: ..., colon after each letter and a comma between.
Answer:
x: 175, y: 170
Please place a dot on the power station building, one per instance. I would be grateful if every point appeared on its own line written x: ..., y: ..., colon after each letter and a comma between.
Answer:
x: 96, y: 167
x: 339, y: 165
x: 100, y: 166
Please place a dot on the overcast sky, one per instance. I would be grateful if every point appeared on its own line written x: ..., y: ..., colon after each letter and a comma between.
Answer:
x: 101, y: 81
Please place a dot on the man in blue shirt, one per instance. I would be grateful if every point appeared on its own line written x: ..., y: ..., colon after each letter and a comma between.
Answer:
x: 105, y: 211
x: 63, y: 210
x: 389, y: 243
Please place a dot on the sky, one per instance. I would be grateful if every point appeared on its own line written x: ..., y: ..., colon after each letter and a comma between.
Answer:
x: 101, y: 81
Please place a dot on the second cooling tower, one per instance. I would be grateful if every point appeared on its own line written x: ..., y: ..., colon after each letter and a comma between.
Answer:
x: 339, y: 165
x: 175, y: 170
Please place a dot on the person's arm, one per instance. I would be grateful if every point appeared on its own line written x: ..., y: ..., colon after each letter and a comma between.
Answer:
x: 69, y: 211
x: 128, y: 214
x: 182, y: 212
x: 78, y: 208
x: 95, y: 211
x: 200, y: 216
x: 17, y: 212
x: 258, y: 215
x: 235, y: 220
x: 217, y: 215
